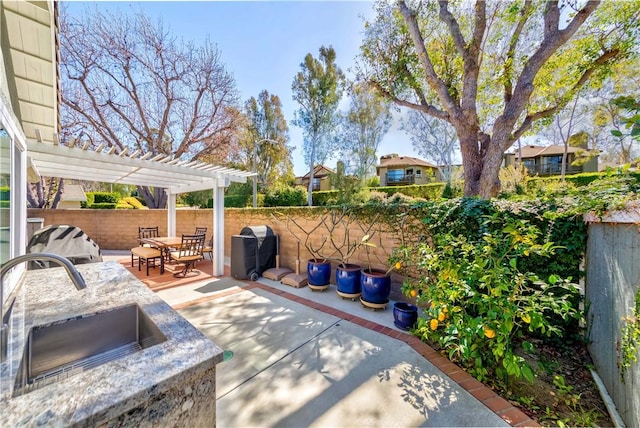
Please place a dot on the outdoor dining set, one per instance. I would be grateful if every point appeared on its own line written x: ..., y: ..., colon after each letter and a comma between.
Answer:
x: 155, y: 250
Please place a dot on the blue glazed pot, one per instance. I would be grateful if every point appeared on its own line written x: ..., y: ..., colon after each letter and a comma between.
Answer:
x: 348, y: 279
x: 318, y: 273
x: 405, y: 315
x: 376, y: 286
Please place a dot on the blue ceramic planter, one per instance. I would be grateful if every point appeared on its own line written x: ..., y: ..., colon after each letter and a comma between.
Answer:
x: 318, y: 273
x: 348, y: 279
x: 376, y: 286
x: 405, y: 315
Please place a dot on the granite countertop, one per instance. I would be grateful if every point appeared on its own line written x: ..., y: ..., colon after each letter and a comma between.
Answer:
x: 104, y: 392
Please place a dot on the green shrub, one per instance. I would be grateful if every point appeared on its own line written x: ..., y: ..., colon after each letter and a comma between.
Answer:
x: 103, y: 206
x: 101, y: 197
x: 431, y: 191
x: 5, y: 193
x: 234, y: 201
x: 286, y: 196
x: 373, y: 181
x: 324, y: 198
x: 133, y: 202
x: 483, y: 295
x: 124, y: 205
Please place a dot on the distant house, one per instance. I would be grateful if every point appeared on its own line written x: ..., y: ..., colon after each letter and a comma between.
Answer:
x: 541, y: 160
x: 321, y: 178
x: 72, y: 196
x: 397, y: 170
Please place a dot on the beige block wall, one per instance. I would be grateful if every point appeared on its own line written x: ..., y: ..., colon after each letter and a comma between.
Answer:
x: 118, y: 230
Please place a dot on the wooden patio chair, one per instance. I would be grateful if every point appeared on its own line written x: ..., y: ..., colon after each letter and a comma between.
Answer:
x: 200, y: 231
x: 208, y: 249
x: 145, y: 254
x: 189, y: 253
x: 147, y: 232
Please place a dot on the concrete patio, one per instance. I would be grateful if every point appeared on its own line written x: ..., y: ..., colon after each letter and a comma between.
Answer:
x: 302, y: 358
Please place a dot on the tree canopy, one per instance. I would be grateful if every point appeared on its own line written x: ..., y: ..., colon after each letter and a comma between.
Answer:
x: 493, y: 69
x: 268, y: 134
x: 363, y: 126
x: 317, y: 88
x: 129, y: 83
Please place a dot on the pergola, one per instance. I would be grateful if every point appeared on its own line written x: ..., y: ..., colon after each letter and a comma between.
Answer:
x: 142, y: 169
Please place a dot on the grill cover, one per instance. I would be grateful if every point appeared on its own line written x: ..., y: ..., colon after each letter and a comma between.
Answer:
x: 266, y: 246
x: 64, y: 240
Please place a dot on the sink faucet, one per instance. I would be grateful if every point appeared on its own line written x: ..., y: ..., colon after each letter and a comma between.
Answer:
x: 73, y: 273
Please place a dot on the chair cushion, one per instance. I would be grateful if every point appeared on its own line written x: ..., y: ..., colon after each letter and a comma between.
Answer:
x: 176, y: 256
x: 146, y: 252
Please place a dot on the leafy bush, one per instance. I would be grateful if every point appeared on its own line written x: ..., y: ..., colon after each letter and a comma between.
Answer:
x: 123, y: 205
x: 286, y: 196
x: 5, y: 193
x: 101, y: 197
x: 324, y: 198
x: 482, y: 297
x: 373, y: 181
x: 103, y: 206
x: 130, y: 203
x: 431, y: 191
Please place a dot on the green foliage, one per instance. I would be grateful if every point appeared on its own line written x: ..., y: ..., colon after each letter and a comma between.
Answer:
x: 101, y: 197
x: 324, y: 198
x: 450, y: 191
x: 631, y: 122
x: 131, y: 202
x: 5, y: 193
x: 238, y: 195
x: 318, y: 88
x: 373, y: 181
x: 103, y: 206
x: 431, y: 191
x: 123, y: 205
x: 234, y: 201
x: 630, y: 341
x: 285, y: 196
x: 200, y: 198
x: 482, y: 295
x: 348, y: 187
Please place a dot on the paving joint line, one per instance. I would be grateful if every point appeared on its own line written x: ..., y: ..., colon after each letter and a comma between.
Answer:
x: 280, y: 359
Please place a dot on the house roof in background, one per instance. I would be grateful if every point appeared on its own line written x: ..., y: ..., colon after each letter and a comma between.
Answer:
x: 319, y: 171
x: 73, y: 193
x: 536, y: 151
x: 404, y: 161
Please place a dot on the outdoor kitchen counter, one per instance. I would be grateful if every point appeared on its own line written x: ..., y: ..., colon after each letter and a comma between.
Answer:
x: 172, y: 383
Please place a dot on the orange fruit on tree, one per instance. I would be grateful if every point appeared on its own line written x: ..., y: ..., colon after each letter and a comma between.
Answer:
x: 489, y: 333
x: 413, y: 293
x: 433, y: 324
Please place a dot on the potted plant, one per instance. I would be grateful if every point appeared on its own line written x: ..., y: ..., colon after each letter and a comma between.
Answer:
x: 376, y: 283
x: 340, y: 224
x: 319, y: 265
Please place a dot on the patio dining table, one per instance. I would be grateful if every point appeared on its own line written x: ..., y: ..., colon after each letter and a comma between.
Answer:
x: 163, y: 243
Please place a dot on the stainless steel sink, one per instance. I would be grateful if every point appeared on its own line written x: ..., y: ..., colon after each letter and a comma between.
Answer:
x: 62, y: 349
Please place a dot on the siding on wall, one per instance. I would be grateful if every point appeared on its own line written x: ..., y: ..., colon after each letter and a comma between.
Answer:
x: 612, y: 278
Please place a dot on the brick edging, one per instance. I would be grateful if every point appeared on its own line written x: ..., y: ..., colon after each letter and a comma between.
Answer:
x: 501, y: 407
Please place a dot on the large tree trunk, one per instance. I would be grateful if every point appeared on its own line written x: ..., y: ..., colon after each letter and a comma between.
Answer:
x: 155, y: 197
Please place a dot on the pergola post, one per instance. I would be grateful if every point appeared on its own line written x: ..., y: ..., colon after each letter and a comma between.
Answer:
x: 171, y: 214
x: 218, y: 227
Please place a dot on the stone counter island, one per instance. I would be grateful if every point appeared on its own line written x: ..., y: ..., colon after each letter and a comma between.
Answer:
x: 171, y: 383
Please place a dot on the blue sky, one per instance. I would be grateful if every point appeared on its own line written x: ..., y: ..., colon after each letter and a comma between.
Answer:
x: 263, y: 43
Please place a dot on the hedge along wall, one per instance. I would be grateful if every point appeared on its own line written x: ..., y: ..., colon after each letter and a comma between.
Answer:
x: 118, y: 229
